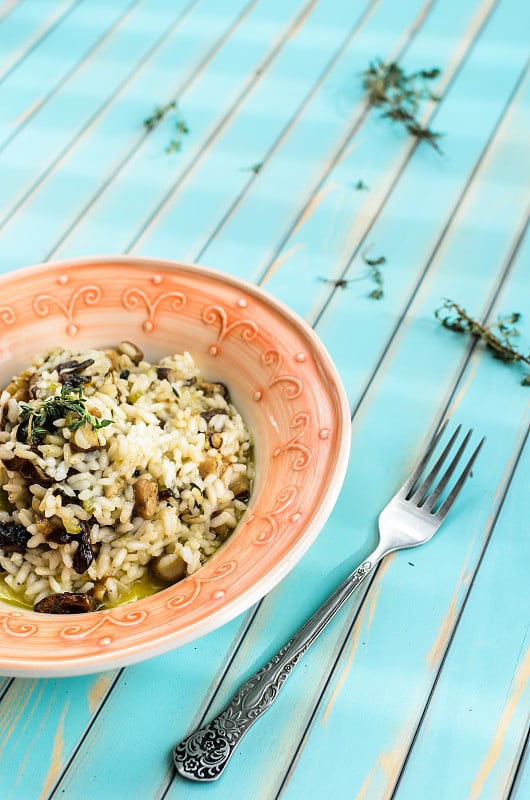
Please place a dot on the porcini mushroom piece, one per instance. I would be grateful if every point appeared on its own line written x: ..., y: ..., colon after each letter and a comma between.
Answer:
x: 131, y: 350
x: 66, y: 603
x: 240, y: 486
x: 145, y: 498
x: 168, y: 568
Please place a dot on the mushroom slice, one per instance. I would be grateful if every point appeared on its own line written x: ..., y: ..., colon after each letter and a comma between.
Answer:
x: 240, y: 487
x: 66, y: 603
x: 84, y: 555
x: 210, y: 389
x: 13, y: 537
x: 168, y: 568
x: 145, y: 498
x: 131, y: 350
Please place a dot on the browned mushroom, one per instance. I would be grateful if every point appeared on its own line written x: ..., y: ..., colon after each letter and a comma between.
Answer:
x: 163, y: 373
x: 145, y: 498
x: 131, y: 350
x: 216, y: 440
x: 28, y: 470
x: 13, y: 537
x: 84, y: 555
x: 66, y: 603
x: 240, y: 486
x: 223, y: 530
x: 168, y: 568
x: 213, y: 412
x: 210, y: 466
x: 210, y: 389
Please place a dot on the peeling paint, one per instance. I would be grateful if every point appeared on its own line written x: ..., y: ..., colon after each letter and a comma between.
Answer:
x: 521, y: 679
x: 98, y: 689
x: 56, y: 761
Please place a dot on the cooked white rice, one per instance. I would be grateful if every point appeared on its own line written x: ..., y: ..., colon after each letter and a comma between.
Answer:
x: 144, y: 478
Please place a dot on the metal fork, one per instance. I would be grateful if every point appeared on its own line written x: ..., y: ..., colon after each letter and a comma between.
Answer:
x: 411, y: 518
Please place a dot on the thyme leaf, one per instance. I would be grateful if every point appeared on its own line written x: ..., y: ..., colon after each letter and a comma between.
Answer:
x: 361, y: 186
x: 35, y: 422
x: 498, y: 337
x: 255, y: 168
x: 181, y: 128
x: 400, y: 96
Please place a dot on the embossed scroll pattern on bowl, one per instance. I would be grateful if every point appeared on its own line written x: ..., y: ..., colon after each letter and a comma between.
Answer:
x: 288, y: 387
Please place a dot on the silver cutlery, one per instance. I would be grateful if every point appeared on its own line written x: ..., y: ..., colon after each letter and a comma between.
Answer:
x: 411, y: 518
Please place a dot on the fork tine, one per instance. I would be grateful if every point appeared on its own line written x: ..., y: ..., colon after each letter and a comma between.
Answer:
x: 407, y: 487
x: 421, y: 492
x: 446, y: 505
x: 436, y: 493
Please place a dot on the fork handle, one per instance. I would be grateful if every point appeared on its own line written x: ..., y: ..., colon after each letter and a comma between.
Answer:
x: 204, y: 754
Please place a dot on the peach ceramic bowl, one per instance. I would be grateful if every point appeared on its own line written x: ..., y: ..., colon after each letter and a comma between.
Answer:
x: 282, y: 381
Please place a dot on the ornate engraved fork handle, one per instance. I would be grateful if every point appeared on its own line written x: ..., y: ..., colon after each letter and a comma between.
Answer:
x: 203, y: 755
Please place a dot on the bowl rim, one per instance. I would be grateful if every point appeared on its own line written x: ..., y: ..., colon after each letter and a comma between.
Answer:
x: 65, y: 665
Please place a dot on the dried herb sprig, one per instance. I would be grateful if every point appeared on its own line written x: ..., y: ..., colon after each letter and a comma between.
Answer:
x: 375, y: 274
x: 400, y: 96
x: 498, y: 337
x: 181, y: 128
x: 35, y: 422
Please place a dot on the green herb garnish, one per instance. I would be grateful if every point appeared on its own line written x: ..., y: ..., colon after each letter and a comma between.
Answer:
x: 36, y: 422
x: 361, y: 186
x: 401, y: 96
x: 181, y: 128
x: 498, y: 337
x: 375, y: 274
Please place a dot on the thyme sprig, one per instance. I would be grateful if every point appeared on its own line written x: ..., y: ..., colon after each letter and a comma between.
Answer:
x: 36, y: 422
x: 401, y: 96
x: 375, y: 273
x: 498, y: 337
x: 181, y: 128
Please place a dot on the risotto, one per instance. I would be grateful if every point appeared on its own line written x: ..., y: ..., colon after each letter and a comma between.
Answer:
x: 118, y: 477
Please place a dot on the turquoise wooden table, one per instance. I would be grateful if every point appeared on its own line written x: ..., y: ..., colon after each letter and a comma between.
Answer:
x: 282, y: 174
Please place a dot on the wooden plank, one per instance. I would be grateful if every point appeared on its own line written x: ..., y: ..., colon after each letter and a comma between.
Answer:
x: 27, y: 24
x: 419, y: 608
x: 60, y: 709
x: 479, y: 735
x: 41, y: 145
x: 113, y: 137
x: 243, y: 146
x: 290, y: 159
x: 206, y: 104
x: 37, y: 77
x: 375, y: 432
x: 339, y: 222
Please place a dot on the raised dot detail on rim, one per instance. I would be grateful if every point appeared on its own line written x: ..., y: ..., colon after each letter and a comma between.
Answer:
x: 105, y: 641
x: 148, y: 326
x: 299, y: 357
x: 324, y: 433
x: 213, y: 350
x: 258, y: 395
x: 72, y: 329
x: 156, y: 279
x: 242, y: 303
x: 296, y: 517
x: 62, y: 279
x: 218, y: 595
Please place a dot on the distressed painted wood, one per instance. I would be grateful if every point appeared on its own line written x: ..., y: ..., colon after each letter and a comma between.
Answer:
x: 421, y: 686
